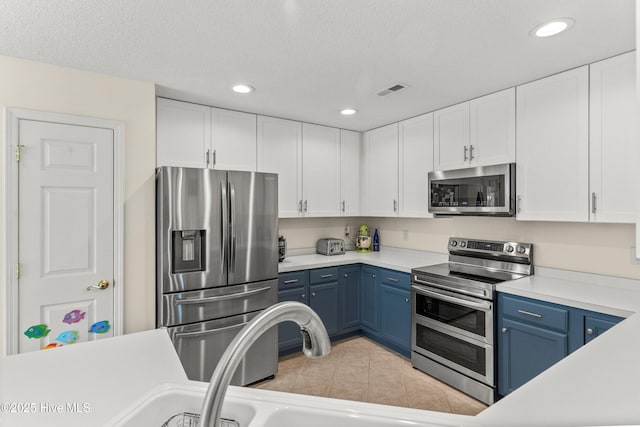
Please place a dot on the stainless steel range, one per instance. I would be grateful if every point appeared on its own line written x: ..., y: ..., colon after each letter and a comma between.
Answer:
x: 453, y: 329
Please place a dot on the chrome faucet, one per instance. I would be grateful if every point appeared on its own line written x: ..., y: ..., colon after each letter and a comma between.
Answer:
x: 315, y: 343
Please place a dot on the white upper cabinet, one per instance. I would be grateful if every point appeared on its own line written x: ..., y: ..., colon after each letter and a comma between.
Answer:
x: 350, y: 165
x: 280, y: 151
x: 320, y: 170
x: 479, y: 132
x: 552, y: 172
x: 183, y: 133
x: 380, y: 195
x: 613, y: 139
x: 415, y: 152
x: 233, y: 140
x: 193, y: 135
x: 493, y: 129
x: 451, y: 137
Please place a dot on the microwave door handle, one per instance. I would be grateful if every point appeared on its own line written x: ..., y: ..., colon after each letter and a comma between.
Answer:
x: 459, y: 301
x: 220, y: 297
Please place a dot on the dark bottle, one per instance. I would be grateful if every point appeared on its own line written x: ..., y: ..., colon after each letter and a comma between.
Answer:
x: 376, y: 241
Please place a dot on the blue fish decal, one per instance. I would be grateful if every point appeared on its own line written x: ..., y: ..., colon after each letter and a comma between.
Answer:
x: 74, y: 316
x: 100, y: 327
x: 37, y: 331
x: 67, y: 337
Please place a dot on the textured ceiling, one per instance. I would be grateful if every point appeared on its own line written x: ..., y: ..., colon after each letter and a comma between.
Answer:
x: 309, y: 58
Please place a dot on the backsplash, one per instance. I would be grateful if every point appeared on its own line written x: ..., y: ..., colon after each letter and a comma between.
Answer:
x: 593, y: 248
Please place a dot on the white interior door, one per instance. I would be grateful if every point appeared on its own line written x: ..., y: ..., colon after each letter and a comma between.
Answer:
x: 66, y: 234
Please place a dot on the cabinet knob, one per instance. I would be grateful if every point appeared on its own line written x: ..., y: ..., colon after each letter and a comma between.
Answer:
x: 313, y: 294
x: 505, y: 330
x: 406, y: 300
x: 589, y: 331
x: 303, y: 296
x: 346, y: 275
x: 373, y: 276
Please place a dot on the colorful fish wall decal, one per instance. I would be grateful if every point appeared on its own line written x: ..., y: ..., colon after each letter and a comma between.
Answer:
x: 37, y: 331
x: 100, y: 327
x: 67, y: 337
x: 74, y: 316
x: 51, y: 345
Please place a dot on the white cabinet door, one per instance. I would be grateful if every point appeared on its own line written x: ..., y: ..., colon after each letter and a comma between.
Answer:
x: 183, y: 133
x: 233, y: 140
x: 553, y: 148
x: 280, y: 151
x: 381, y: 171
x: 350, y: 164
x: 493, y: 129
x: 451, y: 137
x: 320, y: 170
x: 415, y: 162
x: 613, y: 139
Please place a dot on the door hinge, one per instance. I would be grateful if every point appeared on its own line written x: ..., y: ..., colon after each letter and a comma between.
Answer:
x: 19, y: 152
x: 18, y: 270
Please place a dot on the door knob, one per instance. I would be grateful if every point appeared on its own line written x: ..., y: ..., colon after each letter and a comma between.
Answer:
x: 102, y: 284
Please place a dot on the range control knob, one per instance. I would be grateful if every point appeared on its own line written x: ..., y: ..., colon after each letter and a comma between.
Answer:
x: 509, y: 248
x: 463, y: 243
x: 453, y: 243
x: 520, y: 250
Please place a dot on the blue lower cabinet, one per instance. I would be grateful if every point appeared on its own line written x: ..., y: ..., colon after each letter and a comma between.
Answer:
x: 349, y: 298
x: 292, y: 287
x: 324, y: 299
x: 525, y: 351
x: 368, y: 299
x: 395, y: 317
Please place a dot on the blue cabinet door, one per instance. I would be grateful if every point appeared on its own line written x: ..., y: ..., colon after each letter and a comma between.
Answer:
x: 595, y: 326
x: 289, y: 332
x: 525, y: 351
x: 349, y: 297
x: 369, y: 298
x: 323, y: 300
x: 395, y: 316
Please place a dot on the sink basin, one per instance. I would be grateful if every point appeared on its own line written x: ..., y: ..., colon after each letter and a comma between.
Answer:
x: 159, y: 406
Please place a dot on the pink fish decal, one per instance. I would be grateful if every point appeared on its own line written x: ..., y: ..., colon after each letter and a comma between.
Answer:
x: 74, y: 316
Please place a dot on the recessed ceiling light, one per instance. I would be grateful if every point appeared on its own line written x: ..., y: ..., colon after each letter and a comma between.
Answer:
x: 553, y: 27
x: 348, y: 111
x: 242, y: 88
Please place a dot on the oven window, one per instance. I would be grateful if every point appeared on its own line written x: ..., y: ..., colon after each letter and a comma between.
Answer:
x: 460, y: 352
x: 469, y: 319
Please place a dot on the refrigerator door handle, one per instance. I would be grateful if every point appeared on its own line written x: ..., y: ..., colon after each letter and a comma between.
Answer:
x: 221, y: 297
x: 232, y: 222
x: 209, y: 331
x: 223, y: 225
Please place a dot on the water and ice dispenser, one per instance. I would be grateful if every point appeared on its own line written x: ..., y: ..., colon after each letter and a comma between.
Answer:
x: 188, y: 251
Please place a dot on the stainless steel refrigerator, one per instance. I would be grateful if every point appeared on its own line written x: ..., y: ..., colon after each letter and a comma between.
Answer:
x: 217, y: 265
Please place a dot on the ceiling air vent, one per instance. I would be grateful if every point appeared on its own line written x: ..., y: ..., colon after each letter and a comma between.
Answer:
x: 393, y: 89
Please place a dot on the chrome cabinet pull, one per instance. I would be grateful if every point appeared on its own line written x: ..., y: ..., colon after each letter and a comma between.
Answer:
x: 465, y: 153
x: 303, y: 296
x: 306, y: 205
x: 326, y: 276
x: 528, y: 313
x: 392, y: 279
x: 299, y: 206
x: 206, y: 157
x: 286, y: 282
x: 343, y: 206
x: 313, y: 294
x: 214, y: 158
x: 470, y: 152
x: 518, y: 199
x: 593, y: 202
x: 406, y: 300
x: 395, y: 205
x: 589, y: 331
x: 505, y: 330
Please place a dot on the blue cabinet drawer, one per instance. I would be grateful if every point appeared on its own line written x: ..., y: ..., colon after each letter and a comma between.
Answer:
x: 293, y: 279
x: 395, y: 278
x: 323, y: 275
x: 539, y: 314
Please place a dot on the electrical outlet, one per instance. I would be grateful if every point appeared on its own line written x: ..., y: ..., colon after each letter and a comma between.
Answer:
x: 634, y: 256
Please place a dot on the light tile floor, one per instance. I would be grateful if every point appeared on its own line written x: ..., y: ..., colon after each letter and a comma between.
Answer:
x: 362, y: 370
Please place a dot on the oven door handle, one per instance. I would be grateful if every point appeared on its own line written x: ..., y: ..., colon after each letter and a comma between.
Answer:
x: 484, y: 306
x: 221, y: 297
x: 458, y: 290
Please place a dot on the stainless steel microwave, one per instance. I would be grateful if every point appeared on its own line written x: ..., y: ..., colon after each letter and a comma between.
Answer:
x: 484, y: 190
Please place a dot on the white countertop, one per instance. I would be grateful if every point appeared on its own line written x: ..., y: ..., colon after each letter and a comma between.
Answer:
x: 388, y: 257
x: 605, y: 294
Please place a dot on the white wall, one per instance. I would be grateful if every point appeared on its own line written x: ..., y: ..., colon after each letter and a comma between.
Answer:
x: 37, y: 86
x: 593, y: 248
